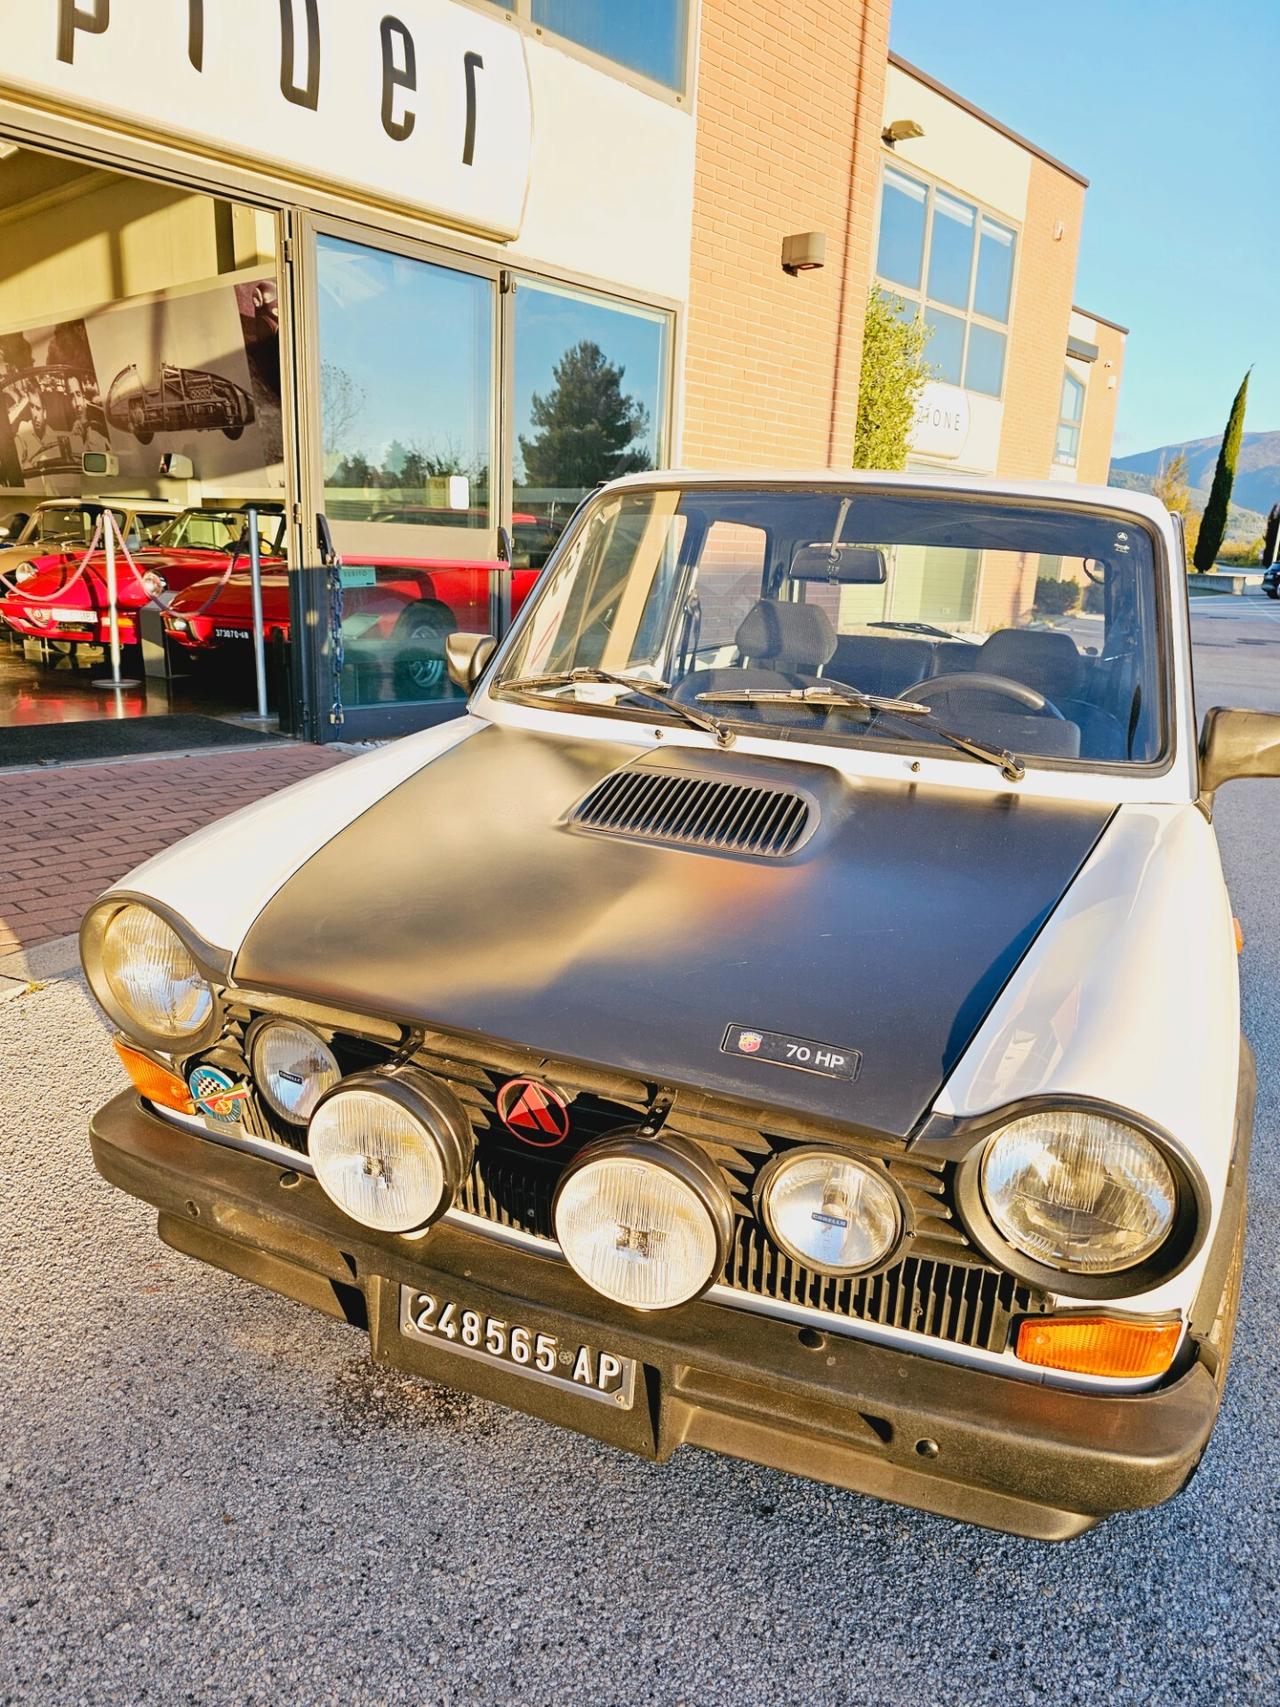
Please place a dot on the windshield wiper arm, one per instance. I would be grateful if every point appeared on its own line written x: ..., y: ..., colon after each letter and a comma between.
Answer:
x: 851, y: 699
x: 657, y: 691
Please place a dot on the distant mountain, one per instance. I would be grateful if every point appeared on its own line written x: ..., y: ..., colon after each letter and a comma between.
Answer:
x: 1243, y: 526
x: 1257, y: 484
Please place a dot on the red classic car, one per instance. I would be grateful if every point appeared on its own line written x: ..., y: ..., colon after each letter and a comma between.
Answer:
x: 60, y: 596
x: 396, y: 610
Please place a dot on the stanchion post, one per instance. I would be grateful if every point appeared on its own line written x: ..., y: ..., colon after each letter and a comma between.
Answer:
x: 110, y: 532
x: 259, y: 637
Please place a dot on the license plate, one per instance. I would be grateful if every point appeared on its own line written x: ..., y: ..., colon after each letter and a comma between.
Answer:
x: 231, y: 634
x: 443, y: 1322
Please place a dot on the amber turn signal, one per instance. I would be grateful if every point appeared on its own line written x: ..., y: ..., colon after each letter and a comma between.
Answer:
x: 155, y: 1082
x: 1099, y: 1345
x: 1238, y: 933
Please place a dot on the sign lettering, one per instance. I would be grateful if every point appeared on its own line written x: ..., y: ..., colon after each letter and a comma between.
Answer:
x: 195, y: 33
x: 403, y: 75
x: 93, y: 19
x: 309, y: 94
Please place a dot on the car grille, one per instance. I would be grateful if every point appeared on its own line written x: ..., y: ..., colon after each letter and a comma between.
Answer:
x: 942, y: 1287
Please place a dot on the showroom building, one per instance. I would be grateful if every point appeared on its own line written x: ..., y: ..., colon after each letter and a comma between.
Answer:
x: 410, y: 283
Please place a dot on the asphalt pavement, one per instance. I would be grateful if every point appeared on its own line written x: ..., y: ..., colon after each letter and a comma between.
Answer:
x: 209, y: 1495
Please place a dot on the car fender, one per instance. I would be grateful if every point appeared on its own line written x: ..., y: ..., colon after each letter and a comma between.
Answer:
x: 1130, y: 996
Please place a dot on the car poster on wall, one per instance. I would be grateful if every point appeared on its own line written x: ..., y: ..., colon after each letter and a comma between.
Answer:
x: 50, y: 408
x: 194, y: 371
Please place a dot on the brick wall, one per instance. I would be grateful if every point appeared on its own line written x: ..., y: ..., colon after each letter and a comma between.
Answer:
x: 1041, y: 319
x: 1100, y: 403
x: 789, y: 104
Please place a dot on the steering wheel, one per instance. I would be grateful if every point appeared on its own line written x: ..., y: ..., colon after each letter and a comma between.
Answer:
x: 977, y: 681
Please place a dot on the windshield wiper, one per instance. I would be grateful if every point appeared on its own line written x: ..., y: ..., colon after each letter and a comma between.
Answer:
x: 831, y: 697
x: 926, y: 628
x: 656, y: 691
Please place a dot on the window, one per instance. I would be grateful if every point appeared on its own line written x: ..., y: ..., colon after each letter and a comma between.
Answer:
x: 645, y: 36
x: 1066, y: 450
x: 965, y: 258
x: 590, y: 403
x: 730, y: 578
x: 901, y: 253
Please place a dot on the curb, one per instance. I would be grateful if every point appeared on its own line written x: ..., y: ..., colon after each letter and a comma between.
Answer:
x: 46, y: 963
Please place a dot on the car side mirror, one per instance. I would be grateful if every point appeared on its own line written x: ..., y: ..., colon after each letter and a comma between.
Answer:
x: 1237, y: 744
x: 467, y: 658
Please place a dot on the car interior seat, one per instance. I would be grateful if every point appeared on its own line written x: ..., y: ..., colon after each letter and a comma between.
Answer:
x: 779, y: 645
x: 1050, y: 662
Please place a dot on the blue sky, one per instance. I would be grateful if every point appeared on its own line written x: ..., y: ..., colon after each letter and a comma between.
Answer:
x: 1166, y: 110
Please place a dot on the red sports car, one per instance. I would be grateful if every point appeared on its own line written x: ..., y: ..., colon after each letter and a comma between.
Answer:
x: 396, y: 610
x: 61, y: 596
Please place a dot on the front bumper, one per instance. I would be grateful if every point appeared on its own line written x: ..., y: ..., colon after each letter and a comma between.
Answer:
x: 1032, y: 1460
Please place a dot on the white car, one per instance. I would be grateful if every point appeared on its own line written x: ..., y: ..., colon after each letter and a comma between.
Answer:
x: 794, y: 1012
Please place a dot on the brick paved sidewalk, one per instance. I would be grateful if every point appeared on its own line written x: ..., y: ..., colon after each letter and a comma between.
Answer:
x: 69, y: 831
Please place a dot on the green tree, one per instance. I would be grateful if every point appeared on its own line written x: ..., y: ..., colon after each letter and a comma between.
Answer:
x: 589, y: 428
x: 1213, y: 524
x: 894, y: 372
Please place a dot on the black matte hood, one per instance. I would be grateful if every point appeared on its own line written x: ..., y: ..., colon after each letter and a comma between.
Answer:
x: 463, y: 901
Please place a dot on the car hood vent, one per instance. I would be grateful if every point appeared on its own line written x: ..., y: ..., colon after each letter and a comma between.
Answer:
x: 695, y: 810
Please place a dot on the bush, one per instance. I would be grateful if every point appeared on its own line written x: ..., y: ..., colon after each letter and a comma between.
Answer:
x: 1095, y: 599
x: 1241, y: 554
x: 1054, y: 597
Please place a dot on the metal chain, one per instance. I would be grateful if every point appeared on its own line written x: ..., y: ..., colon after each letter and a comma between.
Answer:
x: 337, y: 715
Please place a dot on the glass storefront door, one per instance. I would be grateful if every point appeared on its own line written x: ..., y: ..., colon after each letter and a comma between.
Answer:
x: 403, y: 365
x: 450, y: 428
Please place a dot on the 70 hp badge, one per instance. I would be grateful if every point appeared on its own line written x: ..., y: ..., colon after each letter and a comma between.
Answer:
x: 828, y: 1060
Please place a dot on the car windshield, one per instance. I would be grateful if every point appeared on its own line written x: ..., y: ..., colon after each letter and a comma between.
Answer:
x: 66, y: 524
x: 1031, y: 627
x: 201, y: 530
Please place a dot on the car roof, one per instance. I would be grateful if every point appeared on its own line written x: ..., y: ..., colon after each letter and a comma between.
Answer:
x: 916, y: 480
x: 115, y: 500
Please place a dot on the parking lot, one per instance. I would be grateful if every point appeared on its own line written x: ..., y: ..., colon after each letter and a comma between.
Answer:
x: 210, y: 1495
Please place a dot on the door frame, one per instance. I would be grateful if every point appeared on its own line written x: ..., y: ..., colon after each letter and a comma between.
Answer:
x: 311, y: 600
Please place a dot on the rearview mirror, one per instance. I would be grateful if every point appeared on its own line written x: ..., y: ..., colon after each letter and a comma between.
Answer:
x: 467, y: 658
x: 848, y: 565
x: 1236, y: 744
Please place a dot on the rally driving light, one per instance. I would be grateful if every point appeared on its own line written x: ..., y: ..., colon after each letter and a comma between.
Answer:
x: 293, y: 1067
x: 1078, y: 1191
x: 391, y: 1148
x: 146, y: 977
x: 830, y: 1212
x: 645, y: 1222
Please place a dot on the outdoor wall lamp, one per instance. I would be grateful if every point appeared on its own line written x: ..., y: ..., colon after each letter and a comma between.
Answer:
x: 901, y: 130
x: 804, y: 251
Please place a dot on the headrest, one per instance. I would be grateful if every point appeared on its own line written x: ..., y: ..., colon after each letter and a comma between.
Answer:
x: 1037, y: 657
x: 786, y: 636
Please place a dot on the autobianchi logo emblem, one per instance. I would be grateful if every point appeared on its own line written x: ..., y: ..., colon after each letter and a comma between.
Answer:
x: 533, y: 1112
x: 217, y: 1094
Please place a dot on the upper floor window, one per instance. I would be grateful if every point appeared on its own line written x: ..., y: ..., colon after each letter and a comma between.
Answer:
x: 1066, y: 449
x: 648, y: 37
x: 953, y: 262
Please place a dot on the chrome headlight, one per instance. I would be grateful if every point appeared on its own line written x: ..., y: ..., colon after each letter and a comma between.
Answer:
x: 146, y: 978
x: 293, y: 1067
x: 830, y: 1212
x: 1079, y: 1191
x: 391, y: 1148
x: 645, y: 1222
x: 25, y: 572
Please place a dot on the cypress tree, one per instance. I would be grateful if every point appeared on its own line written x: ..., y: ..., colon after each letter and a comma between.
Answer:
x: 1213, y: 526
